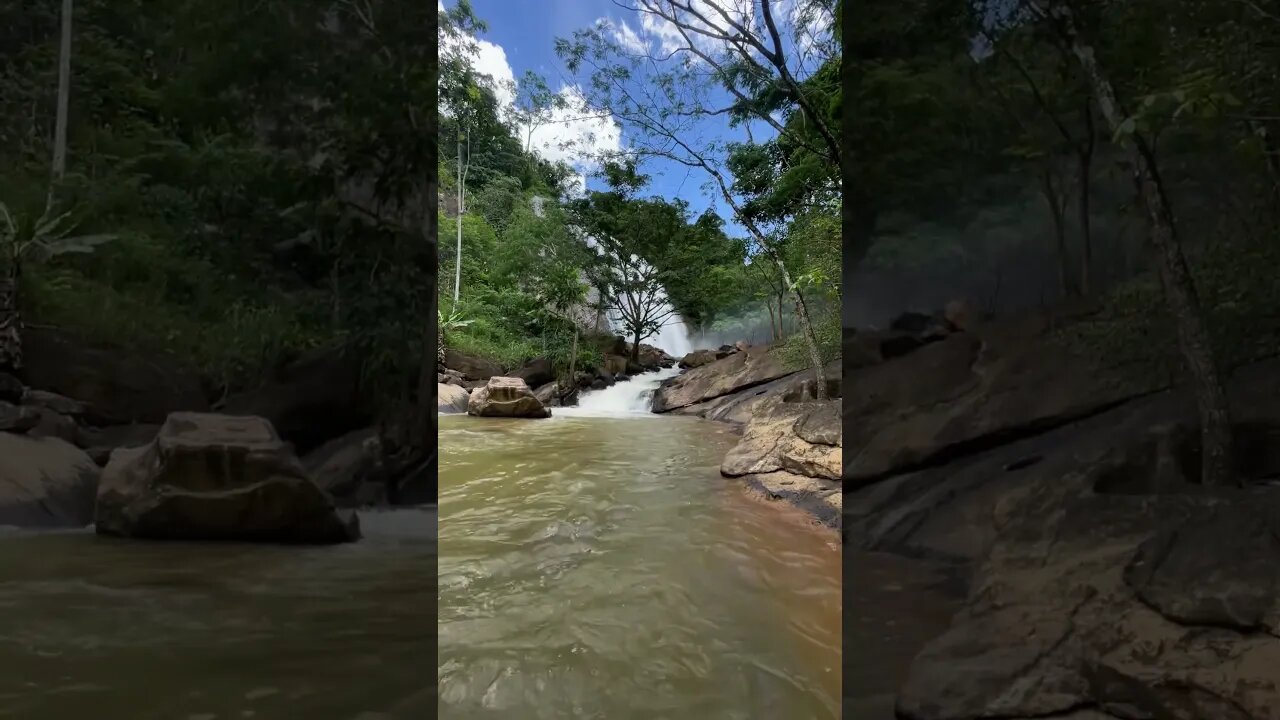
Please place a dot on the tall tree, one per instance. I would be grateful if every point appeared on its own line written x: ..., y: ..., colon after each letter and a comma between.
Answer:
x: 1217, y: 444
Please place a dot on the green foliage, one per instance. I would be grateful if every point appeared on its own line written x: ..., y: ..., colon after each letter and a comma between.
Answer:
x: 251, y: 221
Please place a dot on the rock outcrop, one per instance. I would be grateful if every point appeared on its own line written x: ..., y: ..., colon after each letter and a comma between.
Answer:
x: 790, y: 449
x: 451, y: 398
x: 1102, y: 580
x: 738, y: 371
x: 506, y: 397
x: 216, y: 477
x: 45, y: 482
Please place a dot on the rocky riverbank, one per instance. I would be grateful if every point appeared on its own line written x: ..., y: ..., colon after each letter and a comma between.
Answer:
x: 1097, y: 578
x: 790, y: 446
x: 82, y: 420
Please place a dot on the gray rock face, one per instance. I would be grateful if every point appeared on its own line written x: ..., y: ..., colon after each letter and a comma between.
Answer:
x: 45, y: 482
x: 216, y: 477
x: 731, y: 374
x: 451, y: 399
x: 350, y: 469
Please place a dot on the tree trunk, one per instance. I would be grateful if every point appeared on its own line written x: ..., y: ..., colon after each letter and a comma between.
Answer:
x: 573, y: 355
x: 1059, y: 232
x: 773, y: 330
x: 1086, y: 238
x: 457, y: 272
x: 806, y: 330
x: 1217, y: 444
x: 10, y: 323
x: 64, y: 94
x: 782, y: 317
x: 635, y: 348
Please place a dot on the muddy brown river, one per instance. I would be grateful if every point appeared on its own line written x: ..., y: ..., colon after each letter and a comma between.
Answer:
x: 111, y: 629
x: 596, y: 566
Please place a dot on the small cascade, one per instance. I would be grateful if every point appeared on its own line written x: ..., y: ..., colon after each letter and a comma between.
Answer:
x: 628, y: 398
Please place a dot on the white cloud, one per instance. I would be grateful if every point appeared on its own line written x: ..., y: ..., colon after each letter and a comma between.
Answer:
x: 629, y: 39
x: 574, y: 134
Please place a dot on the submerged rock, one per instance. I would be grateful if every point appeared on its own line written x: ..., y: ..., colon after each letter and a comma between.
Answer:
x: 506, y: 397
x: 217, y: 477
x: 45, y: 482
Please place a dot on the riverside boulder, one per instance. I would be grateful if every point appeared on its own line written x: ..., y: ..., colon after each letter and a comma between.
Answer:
x: 217, y: 477
x: 45, y: 482
x: 506, y: 397
x: 451, y: 399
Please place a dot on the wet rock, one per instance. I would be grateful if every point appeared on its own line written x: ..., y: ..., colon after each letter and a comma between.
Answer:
x: 45, y: 482
x: 598, y: 384
x: 217, y: 477
x: 734, y: 373
x: 16, y: 418
x: 506, y: 397
x: 451, y: 399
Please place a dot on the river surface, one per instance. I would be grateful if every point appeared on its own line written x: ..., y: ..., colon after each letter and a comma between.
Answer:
x: 596, y: 566
x: 110, y: 629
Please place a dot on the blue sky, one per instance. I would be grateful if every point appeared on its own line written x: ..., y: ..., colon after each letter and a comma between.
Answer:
x: 521, y: 36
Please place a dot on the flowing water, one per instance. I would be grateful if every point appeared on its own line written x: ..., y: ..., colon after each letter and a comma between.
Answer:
x: 600, y: 567
x: 102, y: 628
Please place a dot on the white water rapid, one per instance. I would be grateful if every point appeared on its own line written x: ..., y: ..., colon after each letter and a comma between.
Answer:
x: 632, y: 397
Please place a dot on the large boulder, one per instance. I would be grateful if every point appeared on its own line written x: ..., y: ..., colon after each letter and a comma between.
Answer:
x: 506, y: 397
x: 217, y: 477
x: 615, y: 363
x: 698, y: 358
x: 1011, y: 378
x: 117, y: 386
x: 790, y: 449
x: 311, y: 400
x: 45, y: 482
x: 451, y: 399
x: 736, y: 372
x: 350, y: 469
x: 472, y: 367
x: 535, y: 372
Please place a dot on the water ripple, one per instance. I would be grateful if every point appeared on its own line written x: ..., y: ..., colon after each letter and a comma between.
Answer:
x: 597, y: 567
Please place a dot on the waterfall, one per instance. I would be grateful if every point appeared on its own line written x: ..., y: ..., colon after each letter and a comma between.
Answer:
x: 627, y: 398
